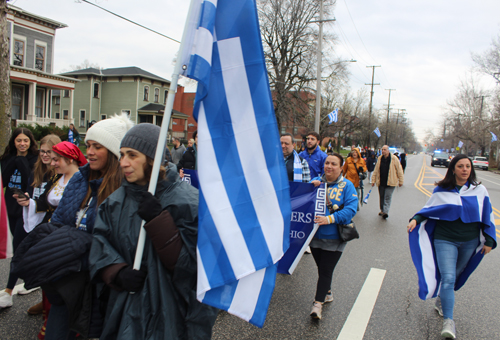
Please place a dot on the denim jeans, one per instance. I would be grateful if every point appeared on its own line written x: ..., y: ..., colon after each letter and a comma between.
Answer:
x: 385, y: 194
x: 452, y: 257
x: 58, y: 324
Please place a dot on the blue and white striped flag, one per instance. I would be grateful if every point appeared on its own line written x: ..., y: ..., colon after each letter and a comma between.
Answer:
x: 244, y: 209
x: 460, y: 144
x: 493, y: 137
x: 377, y: 132
x: 471, y: 204
x: 333, y: 116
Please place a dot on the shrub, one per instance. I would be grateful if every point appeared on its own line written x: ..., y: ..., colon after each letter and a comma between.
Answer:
x: 40, y: 131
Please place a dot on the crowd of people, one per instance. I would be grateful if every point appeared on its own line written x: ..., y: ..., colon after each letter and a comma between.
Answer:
x: 89, y: 286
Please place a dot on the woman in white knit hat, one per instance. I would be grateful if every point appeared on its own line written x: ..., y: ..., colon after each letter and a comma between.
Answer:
x: 87, y: 189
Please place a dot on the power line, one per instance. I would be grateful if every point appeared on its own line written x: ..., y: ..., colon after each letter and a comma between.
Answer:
x: 133, y: 22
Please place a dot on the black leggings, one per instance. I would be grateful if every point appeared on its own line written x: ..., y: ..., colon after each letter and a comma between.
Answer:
x: 326, y: 261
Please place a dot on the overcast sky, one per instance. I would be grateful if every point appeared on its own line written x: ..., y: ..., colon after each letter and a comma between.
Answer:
x: 423, y: 47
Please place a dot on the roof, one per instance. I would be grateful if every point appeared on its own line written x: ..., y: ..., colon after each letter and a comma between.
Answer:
x: 19, y: 10
x: 153, y: 107
x: 117, y: 72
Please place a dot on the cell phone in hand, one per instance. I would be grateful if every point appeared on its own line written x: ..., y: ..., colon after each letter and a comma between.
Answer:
x: 18, y: 192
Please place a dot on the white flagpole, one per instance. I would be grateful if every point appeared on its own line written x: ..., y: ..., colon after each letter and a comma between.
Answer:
x: 160, y: 148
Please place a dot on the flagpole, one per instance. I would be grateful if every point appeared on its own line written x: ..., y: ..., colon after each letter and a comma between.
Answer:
x: 162, y: 139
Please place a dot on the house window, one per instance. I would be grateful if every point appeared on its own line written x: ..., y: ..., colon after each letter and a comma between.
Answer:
x: 165, y: 98
x: 146, y: 93
x: 18, y: 52
x: 96, y: 90
x: 40, y: 94
x: 65, y: 114
x: 157, y: 95
x: 40, y: 58
x: 103, y: 117
x: 127, y: 112
x: 82, y: 118
x: 283, y: 129
x: 57, y: 100
x: 66, y: 94
x: 17, y: 102
x: 295, y: 129
x: 58, y: 115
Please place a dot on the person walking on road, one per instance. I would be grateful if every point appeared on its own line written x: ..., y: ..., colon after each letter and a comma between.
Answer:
x: 402, y: 159
x: 296, y: 166
x: 177, y: 150
x: 371, y: 160
x: 313, y: 154
x: 387, y: 175
x: 354, y: 169
x: 458, y: 222
x: 326, y: 245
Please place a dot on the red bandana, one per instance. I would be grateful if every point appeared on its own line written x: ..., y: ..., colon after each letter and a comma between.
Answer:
x: 69, y: 150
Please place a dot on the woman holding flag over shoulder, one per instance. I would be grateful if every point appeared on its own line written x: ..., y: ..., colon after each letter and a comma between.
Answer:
x: 326, y: 246
x: 164, y: 305
x: 454, y: 230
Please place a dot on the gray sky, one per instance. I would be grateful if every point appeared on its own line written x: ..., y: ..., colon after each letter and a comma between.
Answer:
x: 423, y: 46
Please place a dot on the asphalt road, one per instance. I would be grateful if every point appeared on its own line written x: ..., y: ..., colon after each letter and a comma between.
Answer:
x: 397, y: 313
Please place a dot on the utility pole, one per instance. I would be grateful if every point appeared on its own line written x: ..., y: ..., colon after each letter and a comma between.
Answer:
x: 318, y: 71
x: 371, y: 101
x: 388, y: 109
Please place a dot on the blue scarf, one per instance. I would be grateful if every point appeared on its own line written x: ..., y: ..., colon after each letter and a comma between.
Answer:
x: 470, y: 204
x: 297, y: 167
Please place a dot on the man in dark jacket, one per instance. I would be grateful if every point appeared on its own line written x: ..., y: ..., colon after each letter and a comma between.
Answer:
x: 371, y: 160
x: 296, y: 166
x: 188, y: 160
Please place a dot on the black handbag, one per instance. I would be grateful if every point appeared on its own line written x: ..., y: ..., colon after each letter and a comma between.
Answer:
x: 347, y: 232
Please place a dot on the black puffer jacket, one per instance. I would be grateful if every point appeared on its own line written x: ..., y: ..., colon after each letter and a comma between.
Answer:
x: 188, y: 160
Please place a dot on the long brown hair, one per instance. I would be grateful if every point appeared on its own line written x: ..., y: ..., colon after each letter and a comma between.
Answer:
x: 148, y: 169
x: 11, y: 147
x: 112, y: 177
x: 40, y: 168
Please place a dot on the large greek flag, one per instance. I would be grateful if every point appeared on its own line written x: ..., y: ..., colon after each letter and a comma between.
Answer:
x: 470, y: 204
x: 244, y: 210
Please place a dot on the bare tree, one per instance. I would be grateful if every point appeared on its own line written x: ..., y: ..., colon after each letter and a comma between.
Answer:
x: 488, y: 62
x: 84, y: 65
x: 5, y: 96
x: 290, y: 46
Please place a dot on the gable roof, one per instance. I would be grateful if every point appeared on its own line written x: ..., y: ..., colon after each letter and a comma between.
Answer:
x: 117, y: 72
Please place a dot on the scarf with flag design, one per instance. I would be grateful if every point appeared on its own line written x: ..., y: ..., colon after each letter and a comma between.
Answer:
x: 470, y: 204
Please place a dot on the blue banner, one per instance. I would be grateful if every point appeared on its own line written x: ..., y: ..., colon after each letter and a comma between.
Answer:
x: 307, y: 201
x: 191, y: 176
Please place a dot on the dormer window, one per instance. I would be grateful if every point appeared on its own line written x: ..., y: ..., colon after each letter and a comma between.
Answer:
x: 40, y: 58
x: 18, y: 52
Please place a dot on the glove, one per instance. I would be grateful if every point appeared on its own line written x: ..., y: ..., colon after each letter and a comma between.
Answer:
x: 129, y: 279
x: 150, y: 207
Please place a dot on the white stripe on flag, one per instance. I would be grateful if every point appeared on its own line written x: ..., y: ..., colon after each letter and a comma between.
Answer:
x: 428, y: 265
x: 246, y: 134
x: 443, y: 198
x: 247, y: 294
x: 212, y: 186
x: 203, y: 44
x: 202, y: 278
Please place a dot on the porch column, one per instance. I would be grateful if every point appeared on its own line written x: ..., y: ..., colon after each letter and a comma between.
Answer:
x: 31, y: 102
x: 71, y: 100
x: 46, y: 114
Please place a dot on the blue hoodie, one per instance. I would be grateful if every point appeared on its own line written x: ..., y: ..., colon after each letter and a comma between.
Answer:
x: 316, y: 161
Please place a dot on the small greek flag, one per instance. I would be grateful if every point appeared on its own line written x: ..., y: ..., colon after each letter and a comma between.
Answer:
x: 460, y: 144
x: 493, y: 137
x: 377, y: 132
x: 333, y: 116
x: 244, y: 209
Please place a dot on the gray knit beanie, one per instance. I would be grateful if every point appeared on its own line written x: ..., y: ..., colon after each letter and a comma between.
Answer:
x: 143, y: 138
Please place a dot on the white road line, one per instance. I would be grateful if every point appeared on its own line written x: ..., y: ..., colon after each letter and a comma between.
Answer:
x: 357, y: 321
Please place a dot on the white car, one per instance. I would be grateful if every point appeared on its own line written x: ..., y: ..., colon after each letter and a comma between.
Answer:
x: 480, y: 162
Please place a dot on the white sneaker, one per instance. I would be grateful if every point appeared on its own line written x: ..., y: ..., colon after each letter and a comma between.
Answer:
x: 316, y: 310
x: 24, y: 291
x: 5, y: 300
x: 448, y: 329
x: 329, y: 297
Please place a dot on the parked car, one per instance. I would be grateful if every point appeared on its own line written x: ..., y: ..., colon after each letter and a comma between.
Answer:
x: 480, y: 162
x: 440, y: 158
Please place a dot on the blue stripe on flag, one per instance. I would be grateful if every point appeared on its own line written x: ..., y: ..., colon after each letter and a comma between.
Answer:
x: 265, y: 295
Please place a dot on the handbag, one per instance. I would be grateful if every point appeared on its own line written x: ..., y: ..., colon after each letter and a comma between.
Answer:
x: 347, y: 232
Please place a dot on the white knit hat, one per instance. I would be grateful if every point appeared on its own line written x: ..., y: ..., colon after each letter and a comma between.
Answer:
x: 109, y: 132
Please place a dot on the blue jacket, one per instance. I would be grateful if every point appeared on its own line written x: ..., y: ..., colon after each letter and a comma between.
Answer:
x: 316, y: 161
x: 73, y: 196
x: 341, y: 192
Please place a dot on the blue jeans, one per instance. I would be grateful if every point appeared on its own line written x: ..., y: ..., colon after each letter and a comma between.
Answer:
x: 58, y: 324
x: 452, y: 257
